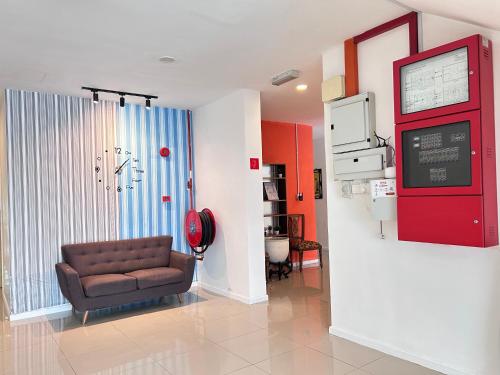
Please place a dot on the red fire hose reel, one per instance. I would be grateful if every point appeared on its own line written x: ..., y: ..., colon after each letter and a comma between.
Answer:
x: 200, y: 231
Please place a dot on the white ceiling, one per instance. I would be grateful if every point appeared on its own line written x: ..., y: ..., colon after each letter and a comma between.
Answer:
x: 481, y: 12
x: 220, y: 45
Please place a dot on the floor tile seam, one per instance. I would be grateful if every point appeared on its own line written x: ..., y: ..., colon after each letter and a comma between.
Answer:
x: 136, y: 346
x: 234, y: 337
x: 159, y: 362
x: 235, y: 371
x: 162, y: 366
x: 245, y: 334
x: 271, y: 356
x: 59, y: 351
x: 375, y: 360
x: 132, y: 366
x: 230, y: 352
x: 65, y: 356
x: 337, y: 359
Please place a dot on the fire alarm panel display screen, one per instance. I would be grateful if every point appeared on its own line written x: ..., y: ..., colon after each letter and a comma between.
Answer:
x: 437, y: 156
x: 435, y: 82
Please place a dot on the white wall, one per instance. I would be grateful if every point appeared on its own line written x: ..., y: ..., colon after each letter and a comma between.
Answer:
x: 437, y: 305
x: 320, y: 204
x: 227, y: 133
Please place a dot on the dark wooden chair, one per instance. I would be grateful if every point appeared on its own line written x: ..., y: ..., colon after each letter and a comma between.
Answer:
x: 296, y: 225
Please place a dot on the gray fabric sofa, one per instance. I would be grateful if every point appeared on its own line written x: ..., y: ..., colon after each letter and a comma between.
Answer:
x: 105, y: 274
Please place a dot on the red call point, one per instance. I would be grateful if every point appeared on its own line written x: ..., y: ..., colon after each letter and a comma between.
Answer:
x: 254, y: 163
x: 165, y: 198
x: 164, y: 151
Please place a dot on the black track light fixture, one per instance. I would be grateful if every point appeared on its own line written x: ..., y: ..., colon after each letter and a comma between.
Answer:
x: 95, y: 95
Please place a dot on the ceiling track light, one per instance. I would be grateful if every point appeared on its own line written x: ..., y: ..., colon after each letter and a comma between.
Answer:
x: 95, y: 95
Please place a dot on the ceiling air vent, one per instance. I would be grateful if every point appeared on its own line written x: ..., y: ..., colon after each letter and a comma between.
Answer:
x: 285, y: 77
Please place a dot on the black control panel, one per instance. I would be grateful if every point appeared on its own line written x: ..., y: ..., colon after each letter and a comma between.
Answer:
x: 438, y: 156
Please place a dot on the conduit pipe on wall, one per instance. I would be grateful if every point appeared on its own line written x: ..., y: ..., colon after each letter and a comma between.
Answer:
x: 299, y: 195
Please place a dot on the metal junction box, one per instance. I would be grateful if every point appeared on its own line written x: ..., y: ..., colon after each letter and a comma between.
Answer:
x: 362, y: 164
x: 353, y: 123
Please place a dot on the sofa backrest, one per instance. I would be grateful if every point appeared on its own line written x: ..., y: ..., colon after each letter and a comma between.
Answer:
x: 98, y: 258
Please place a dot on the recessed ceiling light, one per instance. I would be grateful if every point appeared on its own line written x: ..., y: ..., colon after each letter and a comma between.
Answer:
x: 167, y: 59
x: 301, y: 87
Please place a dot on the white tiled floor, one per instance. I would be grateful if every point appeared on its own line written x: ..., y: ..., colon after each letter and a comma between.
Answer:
x: 206, y: 335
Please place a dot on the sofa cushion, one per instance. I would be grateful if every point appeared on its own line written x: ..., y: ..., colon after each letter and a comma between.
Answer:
x: 105, y: 285
x: 152, y: 277
x: 99, y: 258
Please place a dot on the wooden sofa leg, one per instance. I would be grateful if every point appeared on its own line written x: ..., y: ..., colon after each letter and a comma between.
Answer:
x: 179, y: 297
x: 85, y: 317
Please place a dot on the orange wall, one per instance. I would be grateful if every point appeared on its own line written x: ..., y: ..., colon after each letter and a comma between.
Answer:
x: 278, y: 147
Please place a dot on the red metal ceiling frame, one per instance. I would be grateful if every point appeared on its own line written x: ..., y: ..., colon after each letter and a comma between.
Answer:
x: 350, y: 52
x: 411, y: 19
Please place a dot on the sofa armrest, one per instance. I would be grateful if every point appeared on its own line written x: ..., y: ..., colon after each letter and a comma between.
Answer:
x: 184, y: 262
x: 69, y: 282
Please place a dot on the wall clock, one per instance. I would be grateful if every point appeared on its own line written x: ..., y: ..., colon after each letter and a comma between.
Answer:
x: 124, y: 170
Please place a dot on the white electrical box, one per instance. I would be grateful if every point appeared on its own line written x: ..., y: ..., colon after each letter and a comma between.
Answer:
x: 362, y: 164
x: 384, y: 200
x: 353, y: 123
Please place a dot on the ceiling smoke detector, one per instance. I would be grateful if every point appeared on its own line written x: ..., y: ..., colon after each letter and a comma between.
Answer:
x: 167, y: 59
x: 285, y: 77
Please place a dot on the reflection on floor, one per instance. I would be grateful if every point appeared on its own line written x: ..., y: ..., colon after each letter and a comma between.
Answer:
x: 207, y: 335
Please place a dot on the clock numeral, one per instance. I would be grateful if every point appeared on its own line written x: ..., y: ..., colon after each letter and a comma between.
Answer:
x: 108, y: 187
x: 127, y: 153
x: 135, y: 160
x: 118, y: 150
x: 136, y: 180
x: 119, y: 189
x: 99, y: 158
x: 97, y: 169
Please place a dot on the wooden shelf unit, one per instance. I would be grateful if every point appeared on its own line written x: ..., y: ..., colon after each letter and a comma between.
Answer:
x: 275, y: 211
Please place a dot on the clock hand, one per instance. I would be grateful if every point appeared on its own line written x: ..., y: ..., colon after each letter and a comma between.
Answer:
x: 118, y: 170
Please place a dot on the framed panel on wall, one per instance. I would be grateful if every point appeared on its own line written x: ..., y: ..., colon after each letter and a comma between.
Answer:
x: 318, y: 184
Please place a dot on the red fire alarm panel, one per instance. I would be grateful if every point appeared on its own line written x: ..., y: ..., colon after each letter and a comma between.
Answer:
x: 445, y: 145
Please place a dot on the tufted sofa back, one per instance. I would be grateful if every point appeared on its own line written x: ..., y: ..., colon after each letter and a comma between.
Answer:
x: 98, y: 258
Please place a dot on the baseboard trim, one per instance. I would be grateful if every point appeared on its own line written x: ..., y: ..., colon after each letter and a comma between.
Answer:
x: 392, y: 350
x: 53, y: 310
x: 232, y: 295
x: 41, y: 312
x: 307, y: 264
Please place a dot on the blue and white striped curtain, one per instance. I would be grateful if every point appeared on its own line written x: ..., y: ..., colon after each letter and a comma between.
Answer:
x: 57, y: 197
x: 143, y: 133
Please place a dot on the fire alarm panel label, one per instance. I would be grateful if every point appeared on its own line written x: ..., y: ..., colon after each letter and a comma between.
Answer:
x: 383, y: 188
x: 435, y: 82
